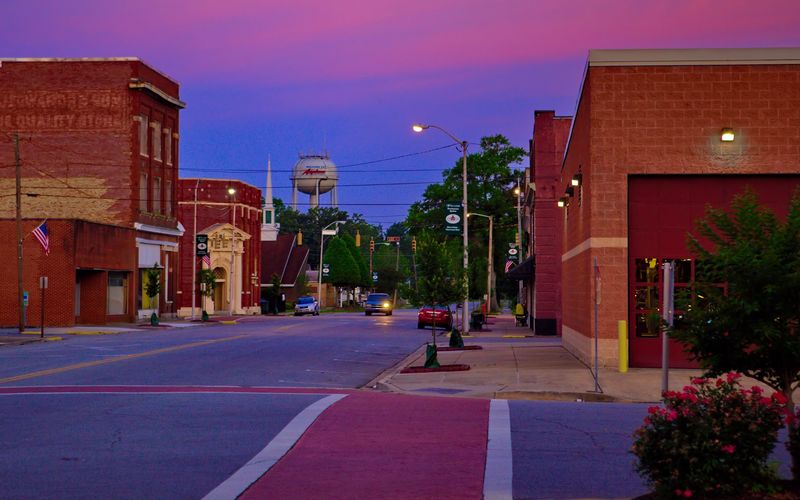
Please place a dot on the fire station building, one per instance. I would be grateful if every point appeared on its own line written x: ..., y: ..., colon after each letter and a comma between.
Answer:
x: 95, y: 142
x: 657, y: 136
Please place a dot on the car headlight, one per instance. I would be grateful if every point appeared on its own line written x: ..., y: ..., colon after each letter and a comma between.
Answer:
x: 385, y: 304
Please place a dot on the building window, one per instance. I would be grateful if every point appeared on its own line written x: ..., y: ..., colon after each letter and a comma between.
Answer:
x: 156, y: 140
x: 156, y: 195
x: 117, y: 293
x: 143, y: 192
x: 168, y: 198
x: 143, y: 129
x: 167, y: 146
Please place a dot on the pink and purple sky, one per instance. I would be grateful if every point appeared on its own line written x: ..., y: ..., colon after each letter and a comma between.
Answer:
x: 276, y: 78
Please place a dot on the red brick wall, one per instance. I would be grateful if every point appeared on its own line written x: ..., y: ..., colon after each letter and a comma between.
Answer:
x: 213, y: 207
x: 663, y: 120
x: 549, y: 141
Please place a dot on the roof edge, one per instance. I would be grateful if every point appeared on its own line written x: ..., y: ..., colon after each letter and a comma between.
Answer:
x: 90, y: 59
x: 694, y: 57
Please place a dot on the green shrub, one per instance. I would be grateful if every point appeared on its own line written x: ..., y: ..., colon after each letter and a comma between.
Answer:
x: 711, y: 439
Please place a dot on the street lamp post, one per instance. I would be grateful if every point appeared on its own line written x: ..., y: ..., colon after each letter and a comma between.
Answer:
x: 194, y: 252
x: 490, y: 263
x: 464, y: 312
x: 232, y: 192
x: 325, y: 232
x: 518, y: 192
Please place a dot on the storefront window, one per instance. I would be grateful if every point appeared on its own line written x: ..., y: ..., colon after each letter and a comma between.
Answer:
x: 647, y: 270
x: 117, y: 293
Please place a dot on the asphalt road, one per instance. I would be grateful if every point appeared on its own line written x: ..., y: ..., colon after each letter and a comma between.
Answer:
x: 176, y: 413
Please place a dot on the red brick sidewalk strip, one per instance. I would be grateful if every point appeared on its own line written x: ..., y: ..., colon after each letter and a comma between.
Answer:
x: 442, y: 368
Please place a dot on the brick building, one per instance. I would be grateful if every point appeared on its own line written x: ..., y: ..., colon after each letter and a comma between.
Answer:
x: 98, y: 149
x: 541, y: 271
x: 647, y: 150
x: 232, y: 223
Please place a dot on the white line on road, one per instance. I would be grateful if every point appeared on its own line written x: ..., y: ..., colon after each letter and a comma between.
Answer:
x: 497, y: 479
x: 269, y: 456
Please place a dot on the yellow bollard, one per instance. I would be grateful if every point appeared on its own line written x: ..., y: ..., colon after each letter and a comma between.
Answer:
x: 622, y: 334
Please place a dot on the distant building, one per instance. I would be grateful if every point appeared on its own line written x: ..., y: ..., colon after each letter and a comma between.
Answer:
x: 287, y: 260
x: 232, y: 223
x: 647, y: 151
x: 543, y: 224
x: 98, y: 149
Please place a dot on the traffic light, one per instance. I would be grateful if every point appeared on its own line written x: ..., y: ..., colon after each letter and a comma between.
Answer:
x: 358, y: 238
x: 414, y: 245
x: 371, y: 245
x: 516, y: 239
x: 299, y: 238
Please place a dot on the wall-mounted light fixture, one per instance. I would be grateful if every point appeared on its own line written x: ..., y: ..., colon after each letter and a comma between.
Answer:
x: 570, y: 191
x: 562, y: 202
x: 727, y: 135
x: 576, y: 180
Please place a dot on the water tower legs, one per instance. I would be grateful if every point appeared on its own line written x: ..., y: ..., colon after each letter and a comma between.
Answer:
x: 294, y: 194
x: 334, y: 197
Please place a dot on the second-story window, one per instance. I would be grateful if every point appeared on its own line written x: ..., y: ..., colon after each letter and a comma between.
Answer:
x: 168, y: 198
x: 143, y: 129
x: 156, y: 141
x: 156, y: 195
x: 168, y: 146
x: 143, y: 192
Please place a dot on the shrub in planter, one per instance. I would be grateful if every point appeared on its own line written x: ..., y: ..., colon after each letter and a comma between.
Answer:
x: 711, y: 439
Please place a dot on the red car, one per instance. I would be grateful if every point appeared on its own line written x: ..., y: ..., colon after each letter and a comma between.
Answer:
x: 440, y: 315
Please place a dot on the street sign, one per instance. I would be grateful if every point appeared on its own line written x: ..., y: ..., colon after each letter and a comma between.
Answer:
x: 452, y: 218
x: 326, y: 270
x: 393, y: 239
x: 201, y: 245
x: 25, y: 298
x: 375, y: 277
x: 513, y: 254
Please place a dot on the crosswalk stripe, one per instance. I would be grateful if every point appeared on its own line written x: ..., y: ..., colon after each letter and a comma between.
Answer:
x: 498, y: 477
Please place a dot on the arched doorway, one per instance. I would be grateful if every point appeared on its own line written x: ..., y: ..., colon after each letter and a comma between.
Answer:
x: 220, y: 289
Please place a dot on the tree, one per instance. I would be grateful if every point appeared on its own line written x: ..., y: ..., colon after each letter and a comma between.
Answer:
x: 440, y: 276
x: 744, y: 312
x: 206, y: 277
x: 490, y: 182
x: 344, y: 271
x: 358, y: 257
x: 274, y: 293
x: 152, y: 289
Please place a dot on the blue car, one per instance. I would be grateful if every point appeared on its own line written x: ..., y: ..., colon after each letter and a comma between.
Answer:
x: 378, y: 303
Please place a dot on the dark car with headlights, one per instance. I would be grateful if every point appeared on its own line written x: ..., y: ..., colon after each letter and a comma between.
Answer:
x: 439, y: 316
x: 378, y: 303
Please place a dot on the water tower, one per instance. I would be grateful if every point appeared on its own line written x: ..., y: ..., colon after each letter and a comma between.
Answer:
x: 314, y: 175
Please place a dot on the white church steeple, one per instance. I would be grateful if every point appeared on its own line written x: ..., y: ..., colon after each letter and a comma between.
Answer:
x: 269, y: 226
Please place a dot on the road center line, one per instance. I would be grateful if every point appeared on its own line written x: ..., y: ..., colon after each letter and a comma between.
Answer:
x: 269, y: 456
x: 88, y: 364
x: 498, y: 477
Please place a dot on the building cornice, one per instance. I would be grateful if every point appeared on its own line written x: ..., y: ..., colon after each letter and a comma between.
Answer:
x: 694, y: 57
x: 148, y: 228
x: 136, y: 84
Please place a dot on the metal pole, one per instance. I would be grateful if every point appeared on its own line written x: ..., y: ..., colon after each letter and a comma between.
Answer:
x: 596, y: 328
x: 41, y: 315
x: 396, y: 268
x: 489, y: 271
x: 519, y: 233
x: 319, y: 270
x: 20, y: 291
x: 233, y: 263
x: 667, y: 316
x: 464, y: 312
x: 194, y: 253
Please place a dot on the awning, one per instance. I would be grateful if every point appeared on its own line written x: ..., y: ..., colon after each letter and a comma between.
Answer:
x: 523, y: 271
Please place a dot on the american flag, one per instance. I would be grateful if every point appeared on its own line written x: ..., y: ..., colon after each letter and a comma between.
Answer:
x: 207, y: 260
x: 43, y: 236
x: 509, y: 265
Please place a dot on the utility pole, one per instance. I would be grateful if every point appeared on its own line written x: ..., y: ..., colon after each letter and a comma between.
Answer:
x: 194, y: 249
x: 20, y: 290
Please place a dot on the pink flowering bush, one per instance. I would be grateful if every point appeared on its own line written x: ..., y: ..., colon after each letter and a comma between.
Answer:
x: 712, y: 438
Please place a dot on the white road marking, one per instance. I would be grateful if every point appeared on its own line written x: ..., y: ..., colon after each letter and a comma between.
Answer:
x: 269, y: 456
x: 498, y: 477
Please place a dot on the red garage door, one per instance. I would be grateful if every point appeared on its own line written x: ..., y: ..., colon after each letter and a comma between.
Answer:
x: 661, y: 211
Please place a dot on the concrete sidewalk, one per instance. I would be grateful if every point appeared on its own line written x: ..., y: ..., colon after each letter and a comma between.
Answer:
x: 510, y: 367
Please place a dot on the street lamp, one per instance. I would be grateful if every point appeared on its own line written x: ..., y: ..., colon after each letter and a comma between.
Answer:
x: 419, y: 128
x: 232, y: 193
x: 518, y: 193
x: 490, y: 267
x: 325, y: 232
